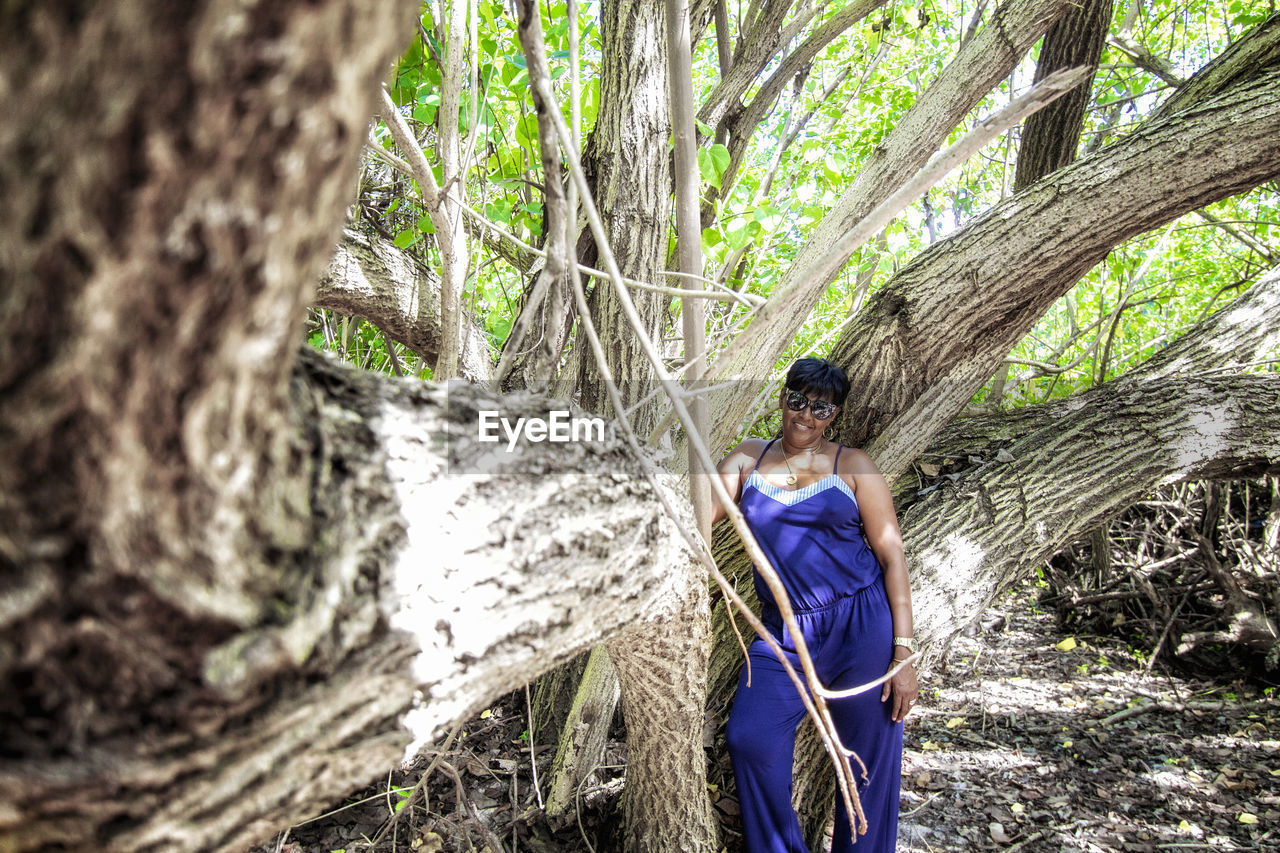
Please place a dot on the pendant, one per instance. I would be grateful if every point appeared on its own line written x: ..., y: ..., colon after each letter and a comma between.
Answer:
x: 791, y: 480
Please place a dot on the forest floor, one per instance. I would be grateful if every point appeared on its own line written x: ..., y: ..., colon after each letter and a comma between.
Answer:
x: 1024, y: 739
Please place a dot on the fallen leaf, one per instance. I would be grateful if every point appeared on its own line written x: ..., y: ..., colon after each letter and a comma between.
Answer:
x: 930, y: 746
x: 955, y: 722
x: 929, y: 469
x: 1247, y: 817
x: 1067, y: 645
x: 998, y: 834
x: 1017, y: 808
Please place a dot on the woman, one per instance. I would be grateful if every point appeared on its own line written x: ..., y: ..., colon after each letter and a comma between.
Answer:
x: 824, y: 516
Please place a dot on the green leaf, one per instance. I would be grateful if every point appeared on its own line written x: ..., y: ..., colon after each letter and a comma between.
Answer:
x: 719, y: 159
x: 406, y: 237
x: 425, y: 225
x: 705, y: 169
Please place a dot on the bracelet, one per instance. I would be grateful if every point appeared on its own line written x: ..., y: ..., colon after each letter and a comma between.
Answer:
x: 908, y: 643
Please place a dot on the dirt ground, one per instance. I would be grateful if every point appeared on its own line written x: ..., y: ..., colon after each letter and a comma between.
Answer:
x: 1025, y: 739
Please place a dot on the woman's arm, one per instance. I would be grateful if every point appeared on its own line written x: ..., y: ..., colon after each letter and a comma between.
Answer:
x: 880, y: 522
x: 734, y: 470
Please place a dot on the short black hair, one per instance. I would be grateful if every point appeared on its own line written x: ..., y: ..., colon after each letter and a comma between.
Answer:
x: 819, y: 376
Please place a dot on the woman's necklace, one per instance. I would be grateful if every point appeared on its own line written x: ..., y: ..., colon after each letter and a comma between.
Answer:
x: 791, y: 474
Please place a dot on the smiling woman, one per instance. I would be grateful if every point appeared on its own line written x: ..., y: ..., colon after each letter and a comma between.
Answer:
x: 823, y: 515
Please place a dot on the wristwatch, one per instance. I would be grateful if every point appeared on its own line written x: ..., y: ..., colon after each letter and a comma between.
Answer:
x: 908, y: 643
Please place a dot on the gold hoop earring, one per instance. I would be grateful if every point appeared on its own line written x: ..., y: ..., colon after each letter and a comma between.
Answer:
x: 830, y: 432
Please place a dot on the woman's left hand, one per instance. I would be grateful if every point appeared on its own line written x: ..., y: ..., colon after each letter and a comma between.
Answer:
x: 902, y: 690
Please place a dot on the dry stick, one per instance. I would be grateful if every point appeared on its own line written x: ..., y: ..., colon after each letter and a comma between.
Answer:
x: 1162, y: 705
x: 1164, y: 635
x: 1039, y: 96
x: 533, y: 752
x: 826, y: 725
x: 688, y: 233
x: 417, y: 789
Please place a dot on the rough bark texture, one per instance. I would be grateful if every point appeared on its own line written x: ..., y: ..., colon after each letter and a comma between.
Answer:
x: 438, y: 566
x: 629, y: 162
x: 662, y: 666
x: 1050, y: 137
x: 371, y: 278
x: 987, y: 284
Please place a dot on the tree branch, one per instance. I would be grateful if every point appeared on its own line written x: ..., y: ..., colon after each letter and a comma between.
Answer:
x: 371, y: 278
x: 1074, y: 465
x: 978, y: 66
x: 911, y: 380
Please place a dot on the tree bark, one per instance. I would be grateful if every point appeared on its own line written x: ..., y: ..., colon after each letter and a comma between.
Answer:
x: 628, y: 159
x: 438, y: 566
x: 371, y: 278
x: 1050, y: 137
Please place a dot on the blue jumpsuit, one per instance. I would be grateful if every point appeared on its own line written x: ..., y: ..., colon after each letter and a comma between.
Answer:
x: 813, y: 536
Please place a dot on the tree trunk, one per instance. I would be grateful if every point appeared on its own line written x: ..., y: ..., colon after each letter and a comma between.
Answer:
x: 1050, y: 137
x: 629, y: 160
x: 584, y: 730
x: 663, y: 673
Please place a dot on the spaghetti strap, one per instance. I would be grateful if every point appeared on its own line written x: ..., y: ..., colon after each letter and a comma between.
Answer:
x: 836, y: 468
x: 762, y: 453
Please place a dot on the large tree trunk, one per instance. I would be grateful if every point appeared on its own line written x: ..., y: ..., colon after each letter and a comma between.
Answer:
x: 628, y: 160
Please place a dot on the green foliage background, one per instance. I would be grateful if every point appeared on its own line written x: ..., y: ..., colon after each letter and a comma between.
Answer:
x: 1142, y: 296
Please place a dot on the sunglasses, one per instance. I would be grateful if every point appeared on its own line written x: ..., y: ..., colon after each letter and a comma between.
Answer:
x: 821, y: 409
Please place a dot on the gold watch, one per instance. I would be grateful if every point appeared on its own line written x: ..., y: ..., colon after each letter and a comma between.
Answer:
x: 908, y: 643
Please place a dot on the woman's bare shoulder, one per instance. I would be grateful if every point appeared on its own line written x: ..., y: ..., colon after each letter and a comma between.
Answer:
x: 749, y: 450
x: 854, y: 461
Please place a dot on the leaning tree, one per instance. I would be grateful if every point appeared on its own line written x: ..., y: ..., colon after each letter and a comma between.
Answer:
x: 240, y: 578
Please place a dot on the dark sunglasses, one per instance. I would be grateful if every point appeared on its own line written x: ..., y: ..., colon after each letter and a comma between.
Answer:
x: 821, y: 409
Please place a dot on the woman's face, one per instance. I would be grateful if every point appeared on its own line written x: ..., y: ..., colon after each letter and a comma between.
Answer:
x: 803, y: 426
